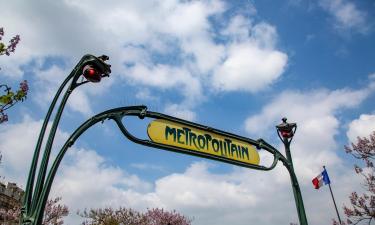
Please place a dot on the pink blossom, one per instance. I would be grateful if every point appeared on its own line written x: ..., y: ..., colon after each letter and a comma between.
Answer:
x: 362, y: 207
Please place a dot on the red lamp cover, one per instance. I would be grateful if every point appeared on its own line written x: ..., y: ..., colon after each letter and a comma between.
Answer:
x: 286, y: 134
x: 91, y: 74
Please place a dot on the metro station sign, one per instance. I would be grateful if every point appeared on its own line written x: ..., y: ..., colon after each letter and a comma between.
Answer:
x: 202, y: 141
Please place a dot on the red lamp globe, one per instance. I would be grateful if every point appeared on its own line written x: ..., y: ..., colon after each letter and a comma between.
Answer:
x: 91, y: 74
x: 286, y: 134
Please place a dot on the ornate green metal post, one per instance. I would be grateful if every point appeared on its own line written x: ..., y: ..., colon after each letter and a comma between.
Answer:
x: 92, y: 68
x: 286, y: 132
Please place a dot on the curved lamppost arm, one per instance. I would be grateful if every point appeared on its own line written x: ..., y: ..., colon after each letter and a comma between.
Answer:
x: 51, y: 136
x: 110, y: 114
x: 31, y: 177
x: 102, y: 70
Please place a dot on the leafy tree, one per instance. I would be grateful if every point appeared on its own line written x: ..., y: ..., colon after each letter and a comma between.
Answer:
x: 53, y: 213
x: 109, y: 216
x: 11, y: 98
x: 362, y: 207
x: 6, y: 50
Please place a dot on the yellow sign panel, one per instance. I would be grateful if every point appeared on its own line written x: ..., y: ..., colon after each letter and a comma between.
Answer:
x: 196, y: 140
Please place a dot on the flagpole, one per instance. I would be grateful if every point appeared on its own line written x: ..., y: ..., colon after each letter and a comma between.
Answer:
x: 333, y: 198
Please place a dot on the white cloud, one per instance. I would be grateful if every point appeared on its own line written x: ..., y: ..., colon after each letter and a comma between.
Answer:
x: 145, y: 166
x: 252, y: 62
x: 249, y: 68
x: 238, y: 28
x: 80, y: 174
x: 145, y: 94
x: 241, y: 195
x: 135, y: 34
x: 207, y: 54
x: 181, y: 111
x: 160, y: 75
x: 361, y: 127
x: 18, y: 144
x: 165, y: 76
x: 80, y: 102
x: 346, y: 14
x: 196, y: 192
x: 195, y: 182
x: 189, y: 22
x: 147, y: 24
x: 305, y: 105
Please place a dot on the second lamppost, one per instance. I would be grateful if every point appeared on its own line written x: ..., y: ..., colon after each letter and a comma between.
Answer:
x: 286, y: 132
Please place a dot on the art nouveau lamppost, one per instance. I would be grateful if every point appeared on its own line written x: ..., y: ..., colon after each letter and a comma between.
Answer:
x: 286, y: 132
x: 93, y: 69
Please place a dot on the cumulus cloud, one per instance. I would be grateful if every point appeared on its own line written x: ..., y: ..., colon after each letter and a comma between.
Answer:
x: 346, y: 14
x: 252, y: 63
x: 165, y: 76
x: 147, y: 24
x: 145, y: 94
x: 196, y: 192
x: 180, y: 111
x: 87, y: 176
x: 17, y: 147
x: 145, y: 166
x: 237, y: 195
x: 249, y: 68
x: 361, y: 127
x: 166, y: 45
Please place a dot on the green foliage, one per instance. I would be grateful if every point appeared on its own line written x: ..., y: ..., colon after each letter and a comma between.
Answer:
x: 11, y: 47
x: 2, y: 47
x: 9, y: 98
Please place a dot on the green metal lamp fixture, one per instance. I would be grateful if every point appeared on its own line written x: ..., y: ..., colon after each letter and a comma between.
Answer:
x: 94, y: 69
x: 286, y: 132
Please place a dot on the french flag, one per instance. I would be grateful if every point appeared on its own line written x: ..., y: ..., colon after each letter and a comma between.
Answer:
x: 321, y: 179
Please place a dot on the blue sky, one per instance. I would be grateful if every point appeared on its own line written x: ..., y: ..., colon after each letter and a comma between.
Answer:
x: 239, y: 66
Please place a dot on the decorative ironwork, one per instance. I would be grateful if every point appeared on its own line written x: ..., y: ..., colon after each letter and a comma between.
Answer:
x: 36, y: 198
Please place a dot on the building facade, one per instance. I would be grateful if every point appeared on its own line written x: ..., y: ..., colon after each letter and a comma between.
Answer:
x: 10, y: 198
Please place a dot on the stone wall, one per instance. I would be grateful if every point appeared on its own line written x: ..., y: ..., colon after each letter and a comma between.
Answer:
x: 10, y: 197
